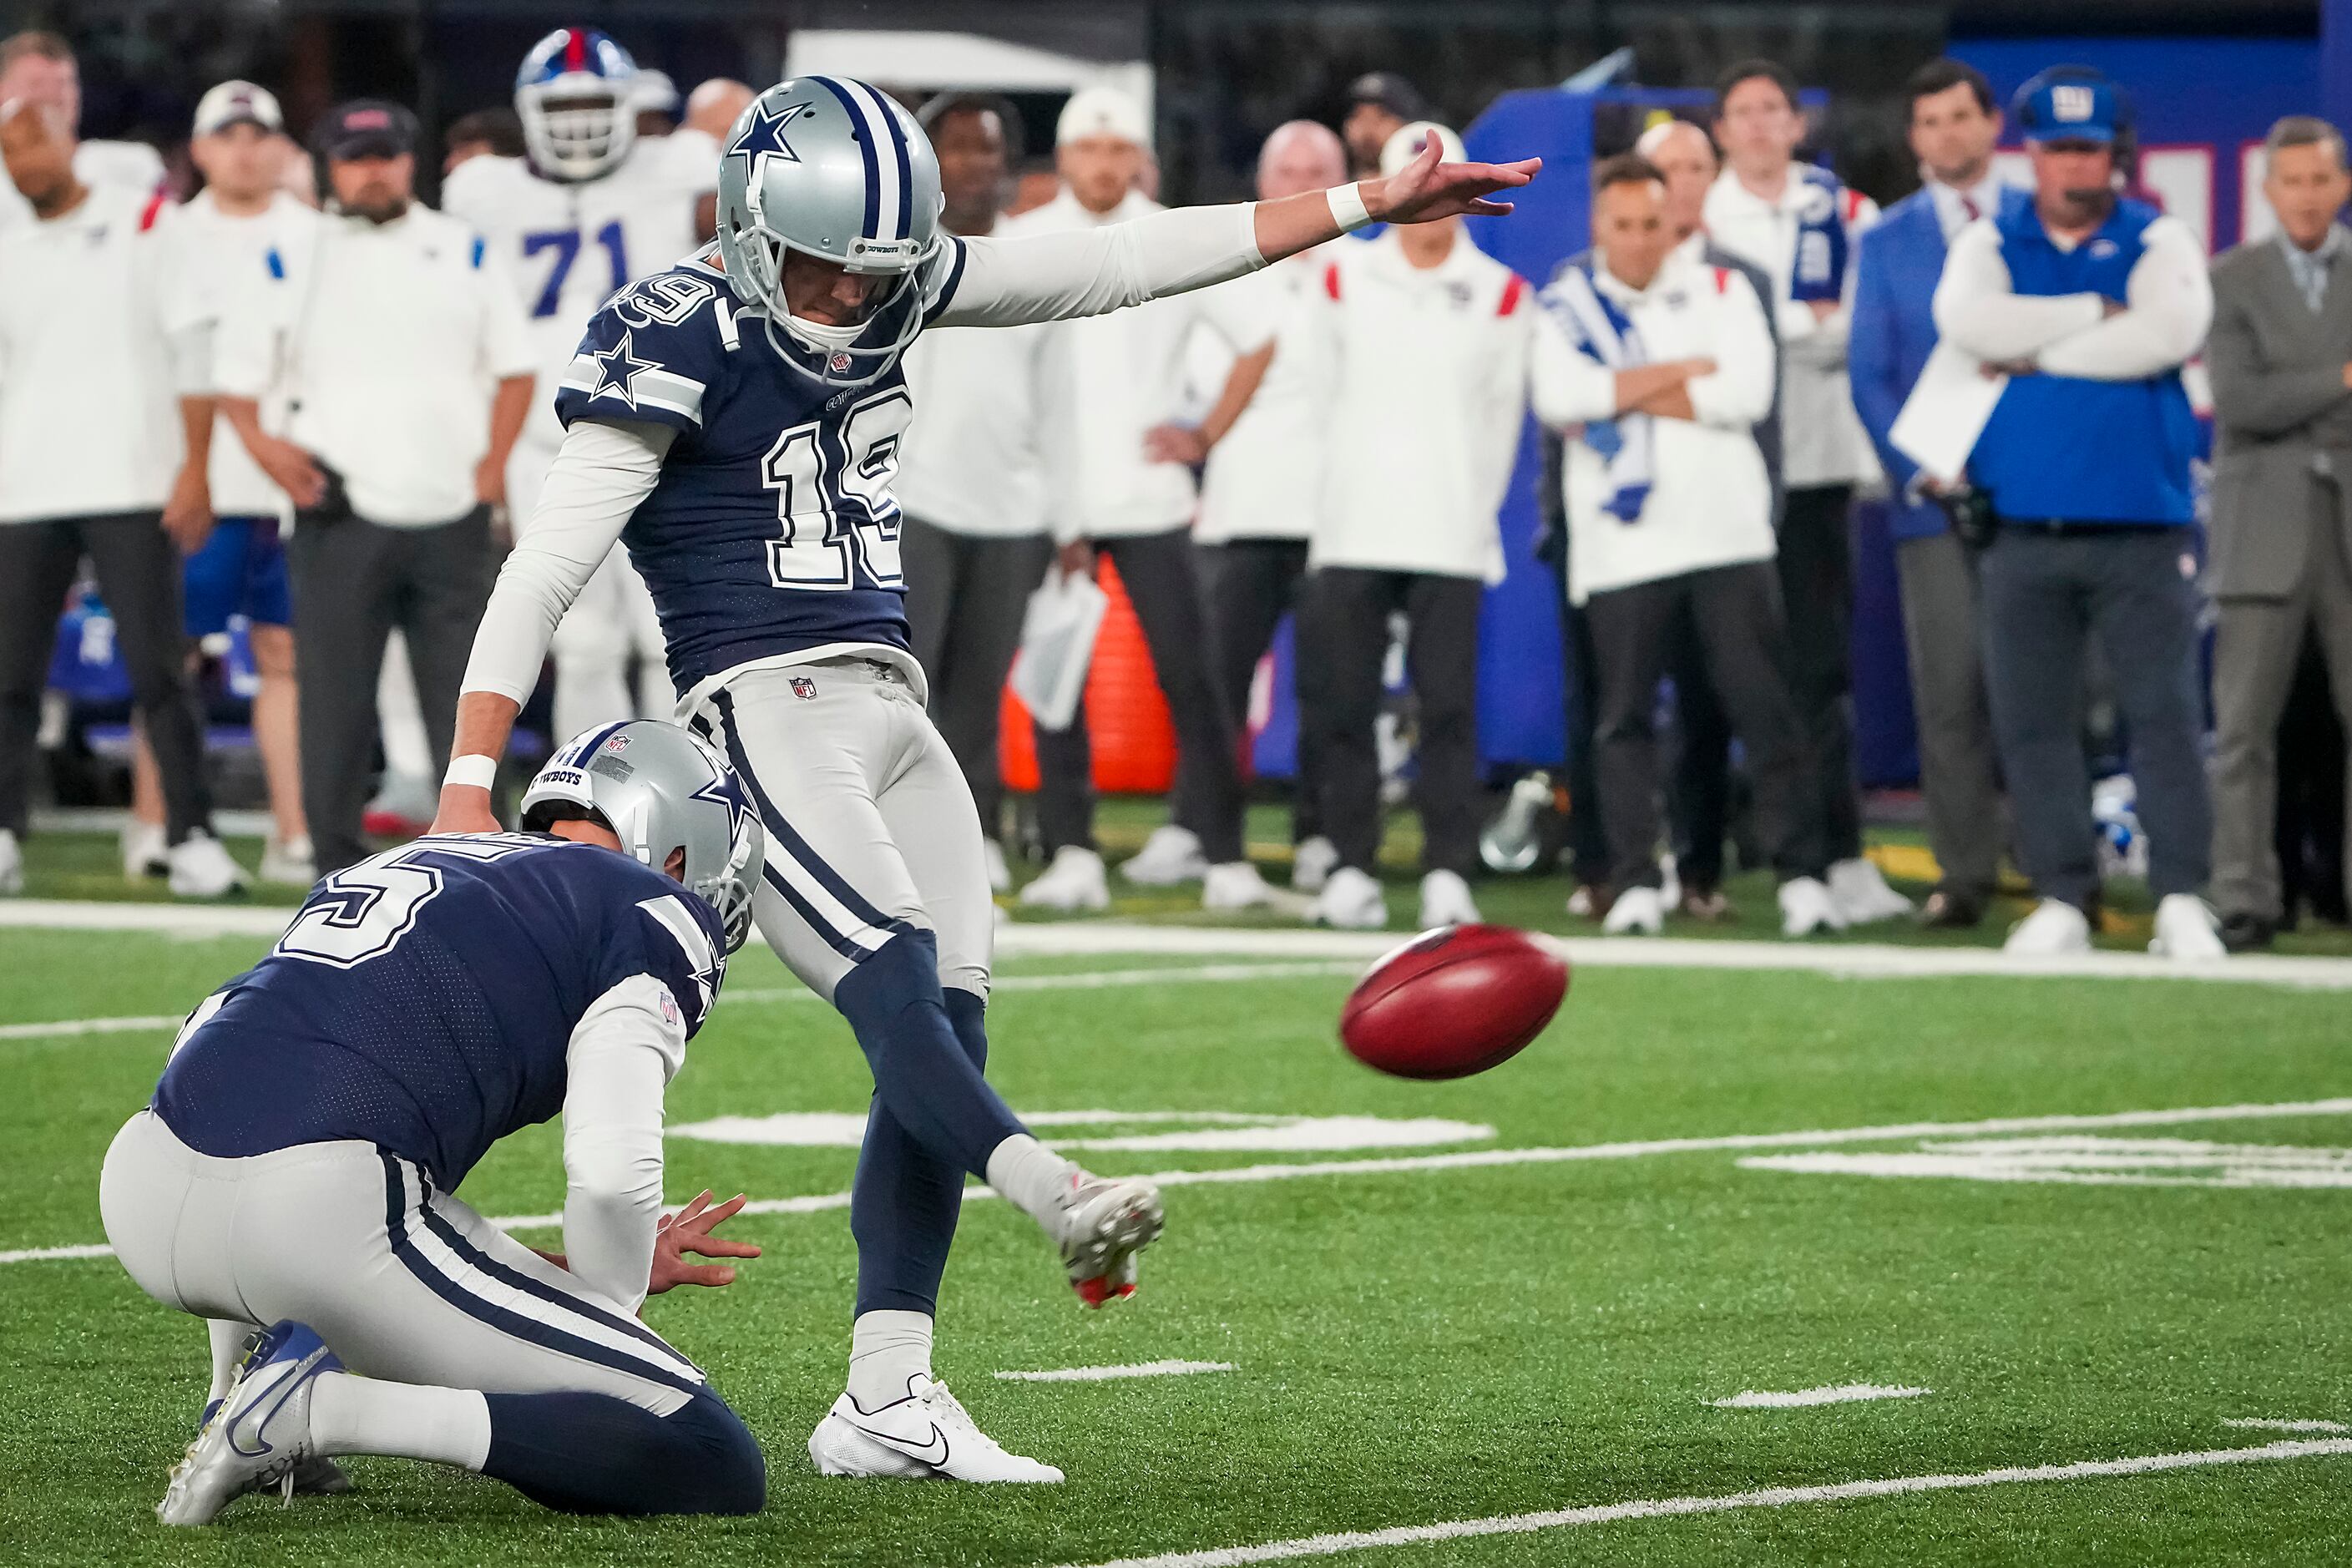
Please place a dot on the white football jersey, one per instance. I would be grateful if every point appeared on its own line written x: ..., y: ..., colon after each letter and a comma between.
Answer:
x: 570, y: 246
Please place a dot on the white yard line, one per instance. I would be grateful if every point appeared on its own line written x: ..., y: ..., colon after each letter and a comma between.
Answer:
x: 1059, y: 939
x: 1768, y: 1497
x: 1107, y: 1373
x: 818, y: 1203
x: 2255, y: 1423
x: 1838, y: 1394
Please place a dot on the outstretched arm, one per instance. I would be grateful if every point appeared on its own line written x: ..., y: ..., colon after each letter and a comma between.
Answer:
x: 1054, y: 276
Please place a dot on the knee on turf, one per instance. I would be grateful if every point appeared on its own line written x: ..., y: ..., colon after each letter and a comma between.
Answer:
x: 730, y: 1474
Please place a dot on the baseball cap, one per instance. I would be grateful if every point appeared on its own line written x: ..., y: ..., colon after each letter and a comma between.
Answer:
x: 237, y: 103
x: 1405, y: 143
x: 2071, y: 104
x: 1101, y: 112
x: 1391, y: 92
x: 366, y: 128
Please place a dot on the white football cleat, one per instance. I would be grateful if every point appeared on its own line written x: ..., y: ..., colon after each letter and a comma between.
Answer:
x: 1863, y: 896
x: 2187, y: 930
x: 2053, y: 930
x: 1236, y: 885
x: 201, y: 868
x: 288, y: 863
x: 1100, y: 1222
x: 1000, y: 875
x: 1312, y: 863
x: 317, y: 1476
x: 1351, y: 901
x: 1807, y: 908
x: 1445, y: 900
x: 1638, y: 911
x: 1074, y: 881
x: 1171, y: 855
x: 12, y: 865
x: 928, y: 1436
x: 144, y: 852
x: 260, y: 1434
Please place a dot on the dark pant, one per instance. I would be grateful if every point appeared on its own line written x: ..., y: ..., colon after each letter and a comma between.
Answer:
x: 1158, y: 571
x: 1736, y: 612
x: 1957, y: 769
x: 2045, y: 596
x: 1246, y: 585
x: 139, y: 573
x: 354, y: 581
x: 965, y: 596
x: 1816, y: 561
x: 1347, y: 638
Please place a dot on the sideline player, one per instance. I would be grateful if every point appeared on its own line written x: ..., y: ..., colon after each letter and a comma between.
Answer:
x: 742, y: 414
x: 591, y: 206
x: 296, y: 1165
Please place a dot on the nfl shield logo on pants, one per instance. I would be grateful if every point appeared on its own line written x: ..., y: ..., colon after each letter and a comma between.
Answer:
x: 804, y: 688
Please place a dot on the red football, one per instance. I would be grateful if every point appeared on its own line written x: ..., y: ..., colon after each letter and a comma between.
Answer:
x: 1453, y: 1002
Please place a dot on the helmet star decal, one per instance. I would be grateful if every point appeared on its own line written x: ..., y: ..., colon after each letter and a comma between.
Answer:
x: 618, y: 369
x: 764, y: 132
x: 724, y: 791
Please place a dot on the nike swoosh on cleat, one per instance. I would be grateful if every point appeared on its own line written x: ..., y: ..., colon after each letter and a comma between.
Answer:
x: 256, y: 1420
x: 914, y: 1451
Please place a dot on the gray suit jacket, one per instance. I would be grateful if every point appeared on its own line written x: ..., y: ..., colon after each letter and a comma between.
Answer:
x: 2283, y: 446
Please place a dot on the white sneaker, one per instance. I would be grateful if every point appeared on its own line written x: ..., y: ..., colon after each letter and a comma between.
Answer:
x: 2186, y: 929
x: 1236, y: 885
x: 1579, y: 902
x: 1000, y: 875
x: 1170, y: 855
x: 1638, y: 911
x: 12, y: 865
x: 2054, y: 928
x: 1074, y: 881
x: 928, y: 1436
x: 260, y: 1435
x: 145, y: 853
x: 1351, y: 901
x: 288, y: 863
x: 1445, y: 900
x: 1100, y: 1224
x: 1807, y: 908
x: 1312, y: 863
x: 1863, y: 896
x: 201, y: 868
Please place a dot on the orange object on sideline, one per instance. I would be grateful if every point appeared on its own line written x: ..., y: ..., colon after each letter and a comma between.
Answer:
x: 1127, y: 719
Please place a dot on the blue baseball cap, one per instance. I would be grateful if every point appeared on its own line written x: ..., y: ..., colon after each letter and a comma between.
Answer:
x: 2071, y: 104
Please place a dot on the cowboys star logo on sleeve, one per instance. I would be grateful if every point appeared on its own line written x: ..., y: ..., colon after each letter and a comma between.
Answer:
x: 618, y: 369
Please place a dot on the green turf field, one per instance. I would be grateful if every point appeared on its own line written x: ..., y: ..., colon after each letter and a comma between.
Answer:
x: 1410, y: 1346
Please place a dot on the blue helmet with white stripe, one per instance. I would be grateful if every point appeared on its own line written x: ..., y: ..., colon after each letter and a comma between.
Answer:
x: 833, y: 169
x: 576, y: 98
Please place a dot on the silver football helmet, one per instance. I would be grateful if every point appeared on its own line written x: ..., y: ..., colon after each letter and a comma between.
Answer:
x: 661, y: 789
x: 833, y: 169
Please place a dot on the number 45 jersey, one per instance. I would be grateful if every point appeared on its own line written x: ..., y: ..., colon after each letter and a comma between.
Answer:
x: 570, y: 244
x: 425, y: 1000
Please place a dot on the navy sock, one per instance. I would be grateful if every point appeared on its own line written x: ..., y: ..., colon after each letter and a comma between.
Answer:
x: 924, y: 1070
x: 904, y: 1204
x: 592, y: 1453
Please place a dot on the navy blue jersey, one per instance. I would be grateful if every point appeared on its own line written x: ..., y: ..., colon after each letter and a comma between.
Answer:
x: 423, y: 1000
x: 772, y: 528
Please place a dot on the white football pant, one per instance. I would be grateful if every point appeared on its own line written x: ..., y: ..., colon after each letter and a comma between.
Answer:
x: 611, y: 620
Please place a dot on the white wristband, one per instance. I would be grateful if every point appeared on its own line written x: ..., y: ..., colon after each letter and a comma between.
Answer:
x: 1348, y: 209
x: 474, y: 772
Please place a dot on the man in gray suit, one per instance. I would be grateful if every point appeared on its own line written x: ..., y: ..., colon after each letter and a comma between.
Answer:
x: 2281, y: 360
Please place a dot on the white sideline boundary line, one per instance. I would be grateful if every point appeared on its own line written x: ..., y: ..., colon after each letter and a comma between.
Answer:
x: 1834, y: 1393
x: 1851, y: 961
x: 1767, y: 1497
x: 818, y: 1203
x: 1108, y: 1373
x: 2258, y: 1424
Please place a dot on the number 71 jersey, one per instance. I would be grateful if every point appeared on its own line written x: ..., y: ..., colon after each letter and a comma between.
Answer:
x: 568, y: 245
x: 772, y: 529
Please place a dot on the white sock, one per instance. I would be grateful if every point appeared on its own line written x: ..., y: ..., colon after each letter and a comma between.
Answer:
x: 228, y: 1344
x: 400, y: 1420
x: 886, y: 1349
x: 1030, y: 1176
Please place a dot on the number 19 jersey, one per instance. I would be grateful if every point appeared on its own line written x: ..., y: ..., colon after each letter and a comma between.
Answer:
x: 570, y: 244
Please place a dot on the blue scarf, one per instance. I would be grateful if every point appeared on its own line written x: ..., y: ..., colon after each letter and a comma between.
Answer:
x: 1606, y: 335
x: 1823, y: 243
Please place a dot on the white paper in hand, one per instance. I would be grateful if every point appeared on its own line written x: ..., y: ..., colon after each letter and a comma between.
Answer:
x: 1057, y: 645
x: 1946, y: 413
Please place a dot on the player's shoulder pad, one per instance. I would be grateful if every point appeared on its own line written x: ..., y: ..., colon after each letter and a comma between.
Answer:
x: 688, y: 297
x: 689, y: 947
x: 479, y: 180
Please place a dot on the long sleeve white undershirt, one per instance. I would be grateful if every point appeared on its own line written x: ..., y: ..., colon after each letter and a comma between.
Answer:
x: 623, y: 1054
x: 2168, y: 300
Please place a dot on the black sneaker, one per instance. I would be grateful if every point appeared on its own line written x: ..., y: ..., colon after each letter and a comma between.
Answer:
x: 2246, y: 933
x: 1947, y: 911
